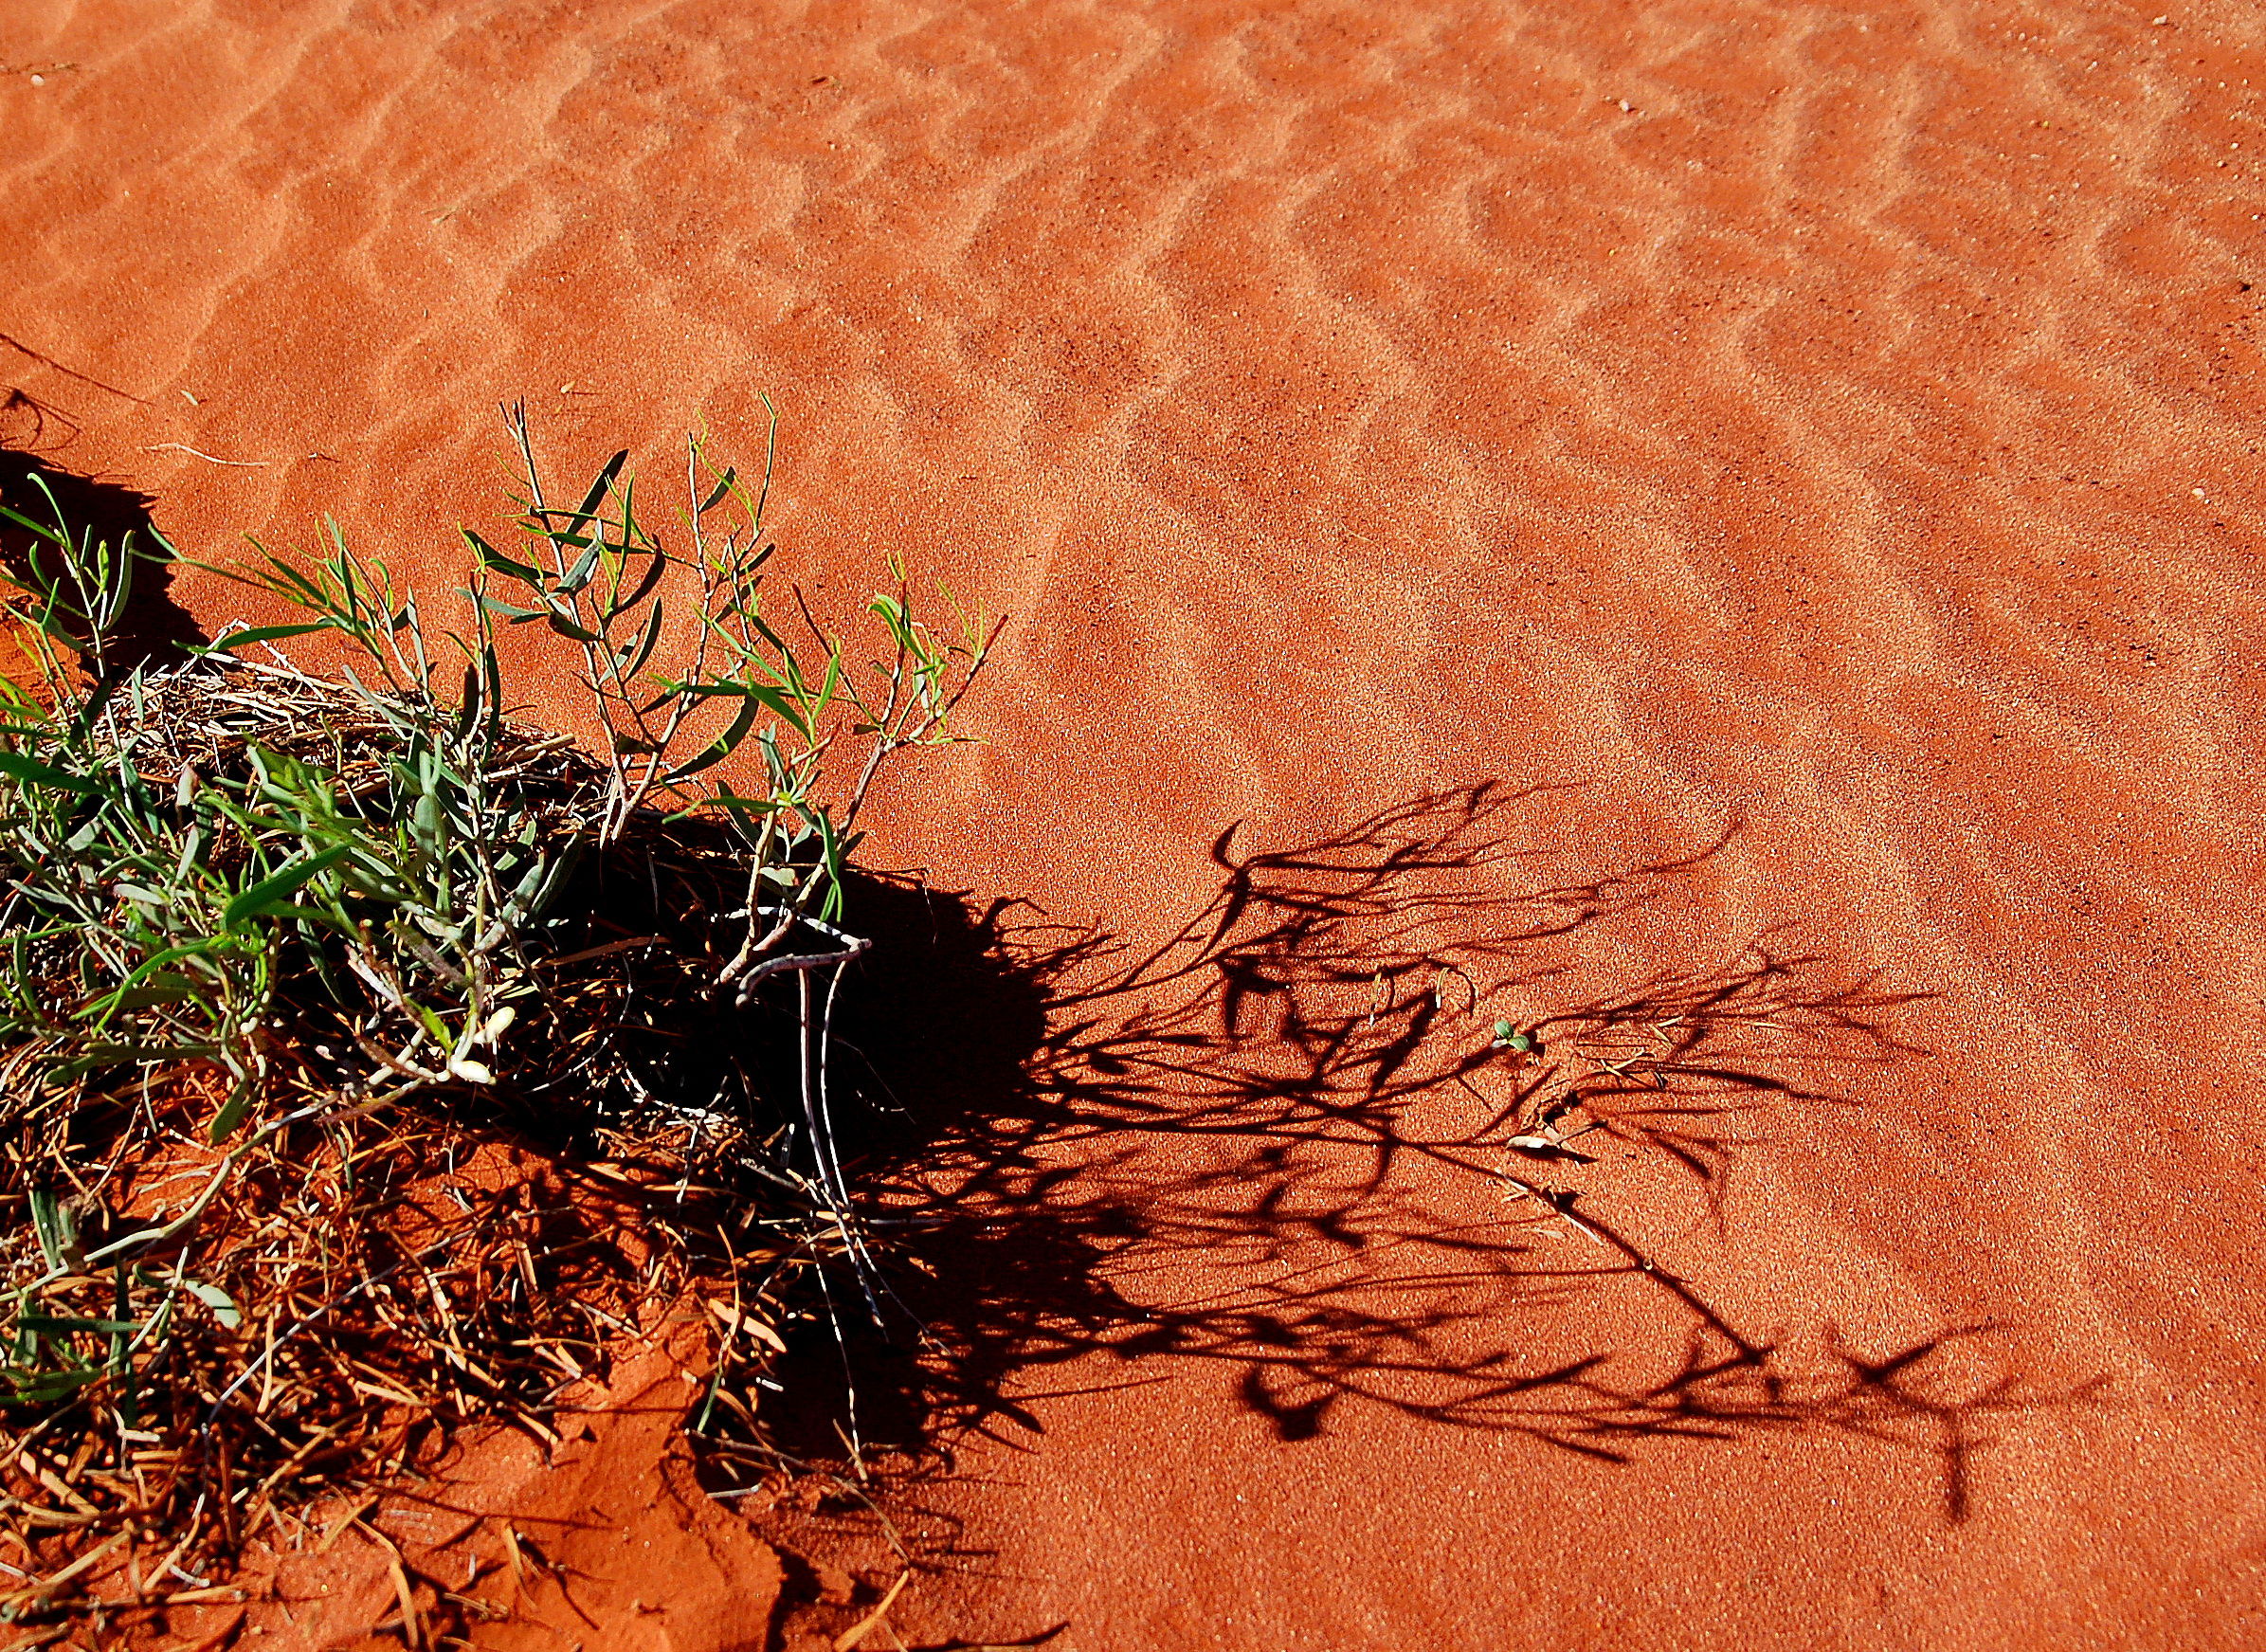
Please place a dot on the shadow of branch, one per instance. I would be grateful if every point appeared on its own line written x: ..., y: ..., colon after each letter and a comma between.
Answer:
x: 1282, y: 1143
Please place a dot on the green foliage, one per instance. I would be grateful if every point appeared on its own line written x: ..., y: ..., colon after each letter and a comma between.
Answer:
x: 179, y: 912
x: 299, y: 894
x: 1508, y: 1038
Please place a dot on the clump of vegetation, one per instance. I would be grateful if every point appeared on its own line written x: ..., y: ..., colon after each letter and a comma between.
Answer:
x: 371, y: 1061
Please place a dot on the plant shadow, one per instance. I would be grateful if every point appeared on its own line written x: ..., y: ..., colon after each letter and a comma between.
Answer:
x: 1285, y: 1145
x: 154, y: 629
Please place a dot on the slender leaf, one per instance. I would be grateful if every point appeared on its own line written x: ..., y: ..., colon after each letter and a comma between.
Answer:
x: 654, y: 564
x: 491, y: 558
x: 57, y: 1234
x: 579, y: 575
x: 724, y: 744
x: 223, y: 1305
x: 33, y: 771
x: 265, y: 634
x: 723, y: 486
x: 280, y: 887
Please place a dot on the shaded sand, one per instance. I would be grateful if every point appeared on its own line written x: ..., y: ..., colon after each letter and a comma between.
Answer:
x: 1805, y: 455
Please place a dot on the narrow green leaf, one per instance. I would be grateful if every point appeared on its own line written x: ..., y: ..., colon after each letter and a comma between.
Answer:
x: 562, y: 621
x: 723, y: 486
x: 231, y: 1115
x: 491, y: 558
x: 733, y: 800
x: 57, y: 1232
x: 50, y: 1385
x: 832, y: 906
x: 579, y: 575
x: 833, y: 681
x: 724, y: 745
x: 223, y: 1305
x: 44, y: 530
x: 594, y: 499
x: 50, y: 1325
x: 38, y: 774
x: 787, y: 712
x: 642, y: 646
x: 275, y: 888
x: 265, y: 634
x: 111, y: 1055
x: 654, y: 564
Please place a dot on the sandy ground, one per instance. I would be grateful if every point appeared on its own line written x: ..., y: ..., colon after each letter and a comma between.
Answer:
x: 1802, y: 456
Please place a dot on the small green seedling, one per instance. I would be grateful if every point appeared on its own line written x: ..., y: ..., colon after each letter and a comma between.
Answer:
x: 1508, y: 1038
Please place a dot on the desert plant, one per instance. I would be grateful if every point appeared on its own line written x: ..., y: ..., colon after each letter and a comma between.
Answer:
x: 290, y: 908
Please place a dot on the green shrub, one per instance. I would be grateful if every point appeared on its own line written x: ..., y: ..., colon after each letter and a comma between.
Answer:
x: 256, y: 915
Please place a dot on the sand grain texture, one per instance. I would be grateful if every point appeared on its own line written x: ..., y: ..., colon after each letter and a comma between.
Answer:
x: 1806, y: 454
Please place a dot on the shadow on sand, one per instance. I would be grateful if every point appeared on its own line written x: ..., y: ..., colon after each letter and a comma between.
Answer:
x: 1258, y: 1149
x: 154, y: 630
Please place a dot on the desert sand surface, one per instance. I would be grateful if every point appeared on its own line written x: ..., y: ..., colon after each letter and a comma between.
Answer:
x: 1726, y: 535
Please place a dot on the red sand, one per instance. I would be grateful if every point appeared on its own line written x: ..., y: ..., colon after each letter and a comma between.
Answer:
x: 617, y: 1545
x: 1828, y: 431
